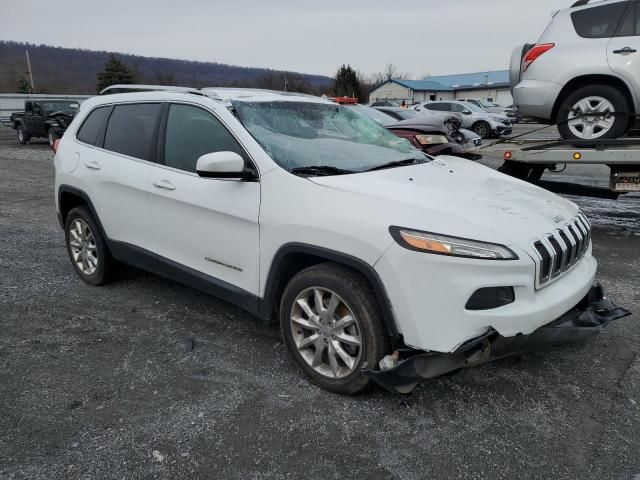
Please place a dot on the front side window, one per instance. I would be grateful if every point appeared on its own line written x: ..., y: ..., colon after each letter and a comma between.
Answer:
x: 298, y: 134
x: 131, y: 130
x: 598, y: 22
x: 92, y: 126
x: 193, y: 132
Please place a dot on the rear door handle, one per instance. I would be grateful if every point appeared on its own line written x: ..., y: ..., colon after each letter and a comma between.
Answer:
x: 92, y: 165
x: 164, y: 185
x: 625, y: 50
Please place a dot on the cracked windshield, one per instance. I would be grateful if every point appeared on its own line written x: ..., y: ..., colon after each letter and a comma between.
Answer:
x: 313, y: 134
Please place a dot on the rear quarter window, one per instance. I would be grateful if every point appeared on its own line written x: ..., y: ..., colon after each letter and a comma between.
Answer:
x: 599, y: 22
x: 92, y: 125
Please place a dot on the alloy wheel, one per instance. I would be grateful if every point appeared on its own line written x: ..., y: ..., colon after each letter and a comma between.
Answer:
x: 83, y: 247
x: 586, y: 126
x: 481, y: 130
x: 326, y: 332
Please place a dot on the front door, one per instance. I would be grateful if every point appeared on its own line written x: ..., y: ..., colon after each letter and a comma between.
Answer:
x: 623, y: 51
x: 205, y: 224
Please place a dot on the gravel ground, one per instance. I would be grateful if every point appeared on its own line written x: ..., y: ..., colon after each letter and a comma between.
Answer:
x: 145, y: 378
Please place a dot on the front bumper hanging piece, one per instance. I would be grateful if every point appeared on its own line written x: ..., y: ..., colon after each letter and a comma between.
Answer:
x: 585, y: 320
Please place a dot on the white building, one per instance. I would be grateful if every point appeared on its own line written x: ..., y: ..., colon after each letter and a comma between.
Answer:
x: 492, y: 86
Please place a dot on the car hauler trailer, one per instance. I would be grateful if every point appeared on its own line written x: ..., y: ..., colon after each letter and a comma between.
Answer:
x: 528, y: 161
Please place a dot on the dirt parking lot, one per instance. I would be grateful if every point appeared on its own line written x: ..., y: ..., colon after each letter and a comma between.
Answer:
x: 145, y: 378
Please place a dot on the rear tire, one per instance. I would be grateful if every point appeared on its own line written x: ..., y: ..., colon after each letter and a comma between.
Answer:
x: 23, y: 136
x: 482, y: 129
x: 314, y: 334
x: 87, y: 249
x: 587, y: 98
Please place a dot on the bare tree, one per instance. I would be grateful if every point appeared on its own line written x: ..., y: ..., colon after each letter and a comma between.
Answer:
x: 390, y: 72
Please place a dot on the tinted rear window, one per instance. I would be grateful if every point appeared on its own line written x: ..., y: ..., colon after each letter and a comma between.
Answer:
x: 598, y: 22
x: 90, y: 129
x: 131, y: 130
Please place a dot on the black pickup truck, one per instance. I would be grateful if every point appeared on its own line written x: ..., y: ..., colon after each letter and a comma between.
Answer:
x: 44, y: 119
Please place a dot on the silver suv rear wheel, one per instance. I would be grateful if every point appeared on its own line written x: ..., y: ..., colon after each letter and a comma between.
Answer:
x: 593, y: 112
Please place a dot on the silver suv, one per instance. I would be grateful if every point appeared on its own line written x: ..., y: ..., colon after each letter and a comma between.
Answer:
x: 586, y: 62
x: 474, y: 118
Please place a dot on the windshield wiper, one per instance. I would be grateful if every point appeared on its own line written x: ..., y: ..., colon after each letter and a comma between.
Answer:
x: 317, y: 170
x: 399, y: 163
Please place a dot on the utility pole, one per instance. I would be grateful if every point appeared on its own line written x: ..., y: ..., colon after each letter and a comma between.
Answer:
x: 285, y: 81
x: 33, y: 88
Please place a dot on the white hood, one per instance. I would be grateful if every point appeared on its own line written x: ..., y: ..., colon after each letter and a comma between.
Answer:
x: 454, y: 196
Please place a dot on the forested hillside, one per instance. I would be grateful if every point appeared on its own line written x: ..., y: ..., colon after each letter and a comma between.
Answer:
x: 67, y: 70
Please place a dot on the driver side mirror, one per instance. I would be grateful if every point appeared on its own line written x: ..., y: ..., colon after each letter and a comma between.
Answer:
x: 223, y: 165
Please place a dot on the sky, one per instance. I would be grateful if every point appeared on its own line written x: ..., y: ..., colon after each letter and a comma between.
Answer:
x: 420, y: 37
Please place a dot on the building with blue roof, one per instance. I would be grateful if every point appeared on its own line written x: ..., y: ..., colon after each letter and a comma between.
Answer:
x: 492, y: 86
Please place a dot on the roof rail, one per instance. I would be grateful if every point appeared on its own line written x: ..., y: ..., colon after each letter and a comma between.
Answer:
x: 128, y: 88
x: 581, y: 3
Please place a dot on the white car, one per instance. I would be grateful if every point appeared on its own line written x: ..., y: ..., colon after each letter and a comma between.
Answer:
x: 295, y: 208
x: 474, y: 118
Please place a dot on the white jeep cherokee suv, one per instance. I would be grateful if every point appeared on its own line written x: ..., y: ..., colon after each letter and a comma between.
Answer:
x: 296, y: 208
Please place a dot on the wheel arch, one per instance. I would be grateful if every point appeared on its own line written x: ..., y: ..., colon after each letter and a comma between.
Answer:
x: 586, y: 80
x: 292, y: 258
x: 69, y: 198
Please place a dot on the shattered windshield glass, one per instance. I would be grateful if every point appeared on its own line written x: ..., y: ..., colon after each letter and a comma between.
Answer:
x: 309, y: 134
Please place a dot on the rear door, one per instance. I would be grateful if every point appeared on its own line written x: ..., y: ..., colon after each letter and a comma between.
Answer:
x: 35, y: 121
x: 623, y: 51
x: 116, y: 163
x: 208, y: 225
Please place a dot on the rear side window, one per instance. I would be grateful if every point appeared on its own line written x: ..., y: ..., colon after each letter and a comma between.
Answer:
x: 192, y: 132
x: 436, y: 106
x: 631, y: 24
x: 91, y: 127
x: 599, y: 22
x: 131, y: 130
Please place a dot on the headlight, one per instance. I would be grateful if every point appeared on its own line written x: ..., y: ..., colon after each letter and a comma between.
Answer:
x: 450, y: 246
x: 497, y: 119
x: 431, y: 139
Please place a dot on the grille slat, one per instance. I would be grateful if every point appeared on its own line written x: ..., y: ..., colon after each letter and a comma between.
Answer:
x: 558, y: 252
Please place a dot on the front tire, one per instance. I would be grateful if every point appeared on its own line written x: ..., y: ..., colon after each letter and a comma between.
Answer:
x: 332, y: 326
x: 52, y: 137
x: 22, y: 135
x: 86, y: 247
x: 608, y: 101
x: 482, y: 129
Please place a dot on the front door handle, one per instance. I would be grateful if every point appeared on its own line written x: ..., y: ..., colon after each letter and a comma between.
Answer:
x: 92, y: 165
x: 625, y: 50
x: 164, y: 185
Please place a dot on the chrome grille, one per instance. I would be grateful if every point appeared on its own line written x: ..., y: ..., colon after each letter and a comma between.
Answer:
x: 559, y: 251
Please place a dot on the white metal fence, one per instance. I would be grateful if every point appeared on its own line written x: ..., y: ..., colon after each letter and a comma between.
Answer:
x: 14, y: 102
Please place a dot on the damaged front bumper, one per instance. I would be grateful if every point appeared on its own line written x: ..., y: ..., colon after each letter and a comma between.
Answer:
x: 585, y: 320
